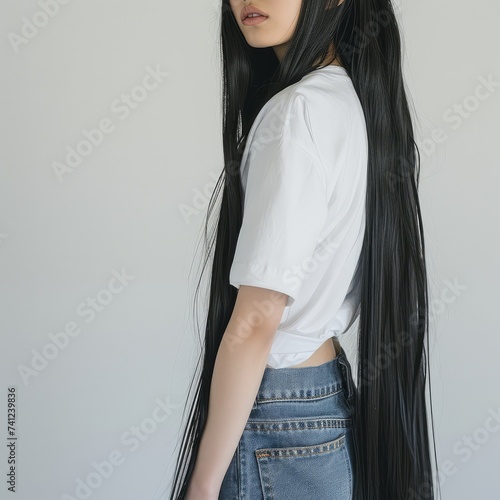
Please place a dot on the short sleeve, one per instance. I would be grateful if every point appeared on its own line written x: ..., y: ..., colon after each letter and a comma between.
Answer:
x: 285, y: 209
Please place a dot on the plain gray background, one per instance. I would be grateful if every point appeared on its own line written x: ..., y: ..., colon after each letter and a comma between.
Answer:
x: 135, y: 205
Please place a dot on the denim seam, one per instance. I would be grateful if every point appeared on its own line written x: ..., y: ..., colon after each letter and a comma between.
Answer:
x: 243, y: 471
x: 348, y: 467
x: 238, y: 469
x: 298, y: 398
x: 297, y: 425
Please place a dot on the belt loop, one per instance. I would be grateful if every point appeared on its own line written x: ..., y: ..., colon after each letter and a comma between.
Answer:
x: 347, y: 375
x: 345, y: 369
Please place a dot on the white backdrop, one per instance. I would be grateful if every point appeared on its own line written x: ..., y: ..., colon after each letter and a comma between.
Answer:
x: 110, y: 148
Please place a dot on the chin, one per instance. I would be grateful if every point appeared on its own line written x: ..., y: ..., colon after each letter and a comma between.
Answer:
x: 262, y: 42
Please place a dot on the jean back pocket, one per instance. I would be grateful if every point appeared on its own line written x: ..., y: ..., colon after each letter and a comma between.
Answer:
x: 316, y: 471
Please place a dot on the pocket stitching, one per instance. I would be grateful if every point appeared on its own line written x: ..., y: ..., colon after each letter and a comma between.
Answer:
x: 301, y: 451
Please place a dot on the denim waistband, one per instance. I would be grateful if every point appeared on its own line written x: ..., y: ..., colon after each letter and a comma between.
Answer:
x: 308, y: 381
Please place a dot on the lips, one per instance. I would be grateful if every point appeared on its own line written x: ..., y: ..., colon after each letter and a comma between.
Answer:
x: 246, y: 11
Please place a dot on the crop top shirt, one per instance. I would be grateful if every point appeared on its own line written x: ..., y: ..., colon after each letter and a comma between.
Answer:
x: 303, y: 173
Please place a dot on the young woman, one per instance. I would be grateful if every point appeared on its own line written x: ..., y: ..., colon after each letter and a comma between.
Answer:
x: 319, y: 224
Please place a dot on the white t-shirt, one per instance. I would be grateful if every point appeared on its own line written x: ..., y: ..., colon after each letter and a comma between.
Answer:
x: 303, y: 173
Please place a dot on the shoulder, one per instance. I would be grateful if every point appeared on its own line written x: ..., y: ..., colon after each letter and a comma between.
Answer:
x: 300, y: 112
x: 330, y: 103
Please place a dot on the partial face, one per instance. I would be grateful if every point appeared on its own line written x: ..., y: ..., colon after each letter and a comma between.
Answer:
x: 275, y: 30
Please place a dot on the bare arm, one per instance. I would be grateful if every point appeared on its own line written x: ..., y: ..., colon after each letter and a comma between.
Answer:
x: 239, y: 367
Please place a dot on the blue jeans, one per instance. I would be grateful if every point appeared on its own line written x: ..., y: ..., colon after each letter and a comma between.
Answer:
x: 297, y: 442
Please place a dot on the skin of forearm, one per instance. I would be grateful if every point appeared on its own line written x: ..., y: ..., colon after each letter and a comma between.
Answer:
x: 238, y: 371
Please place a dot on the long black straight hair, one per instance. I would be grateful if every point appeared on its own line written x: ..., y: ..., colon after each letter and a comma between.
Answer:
x: 392, y: 447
